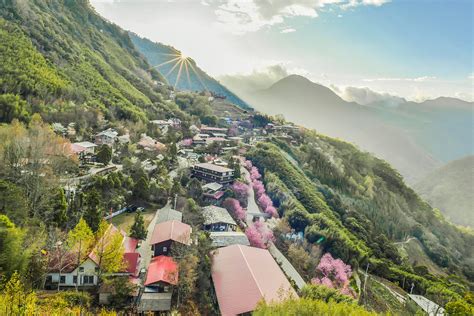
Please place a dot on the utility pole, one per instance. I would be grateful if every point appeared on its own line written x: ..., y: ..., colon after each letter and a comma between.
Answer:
x: 175, y: 200
x: 412, y: 286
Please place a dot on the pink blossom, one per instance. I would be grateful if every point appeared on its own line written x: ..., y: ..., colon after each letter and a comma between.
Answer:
x: 254, y: 174
x: 233, y: 206
x: 240, y: 189
x: 259, y: 235
x: 271, y: 210
x: 248, y: 164
x: 258, y: 188
x: 333, y: 273
x: 187, y: 142
x: 264, y: 201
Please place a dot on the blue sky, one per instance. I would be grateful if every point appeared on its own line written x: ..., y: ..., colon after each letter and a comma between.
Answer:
x: 414, y: 49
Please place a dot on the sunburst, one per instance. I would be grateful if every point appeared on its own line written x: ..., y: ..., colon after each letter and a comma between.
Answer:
x: 180, y: 62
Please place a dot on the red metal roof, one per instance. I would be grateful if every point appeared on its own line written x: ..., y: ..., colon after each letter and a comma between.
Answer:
x: 244, y: 275
x: 162, y: 269
x: 132, y: 261
x: 171, y: 230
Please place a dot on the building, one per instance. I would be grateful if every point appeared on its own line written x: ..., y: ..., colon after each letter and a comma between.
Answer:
x: 429, y: 307
x: 224, y: 239
x: 209, y: 129
x: 213, y: 193
x: 211, y: 173
x: 84, y: 150
x: 217, y: 219
x: 107, y: 137
x: 150, y: 144
x: 167, y: 233
x: 68, y: 271
x: 165, y: 215
x: 243, y: 276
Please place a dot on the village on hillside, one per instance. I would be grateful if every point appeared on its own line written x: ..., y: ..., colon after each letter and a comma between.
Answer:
x: 215, y: 202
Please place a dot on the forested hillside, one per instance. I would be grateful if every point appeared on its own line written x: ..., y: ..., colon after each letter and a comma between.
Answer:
x: 55, y: 53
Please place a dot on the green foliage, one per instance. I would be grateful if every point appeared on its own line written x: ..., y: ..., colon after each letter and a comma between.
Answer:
x: 138, y: 229
x: 81, y: 237
x: 13, y: 255
x: 13, y: 202
x: 326, y: 294
x: 121, y: 292
x: 93, y: 212
x: 309, y: 307
x: 104, y: 154
x: 12, y: 107
x: 141, y: 188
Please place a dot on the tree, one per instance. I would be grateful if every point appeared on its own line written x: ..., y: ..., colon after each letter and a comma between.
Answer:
x: 12, y: 107
x: 259, y: 235
x: 241, y: 191
x: 60, y: 207
x: 333, y: 273
x: 104, y: 154
x: 15, y: 299
x: 121, y: 292
x: 195, y: 189
x: 141, y: 189
x: 233, y: 206
x: 109, y: 250
x: 13, y: 202
x: 81, y: 238
x: 13, y: 255
x: 93, y: 212
x: 138, y: 229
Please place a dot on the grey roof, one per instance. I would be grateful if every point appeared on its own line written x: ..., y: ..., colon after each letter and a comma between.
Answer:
x: 428, y: 306
x: 155, y: 302
x: 213, y: 167
x: 86, y: 144
x: 214, y: 214
x: 214, y: 186
x: 165, y: 215
x: 223, y: 239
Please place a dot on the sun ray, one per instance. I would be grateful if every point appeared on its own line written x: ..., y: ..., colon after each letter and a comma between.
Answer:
x: 171, y: 70
x: 179, y: 72
x: 166, y: 62
x: 187, y: 73
x: 199, y: 77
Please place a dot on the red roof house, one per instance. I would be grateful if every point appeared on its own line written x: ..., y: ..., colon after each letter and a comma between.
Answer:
x: 162, y: 269
x: 244, y: 275
x: 166, y: 233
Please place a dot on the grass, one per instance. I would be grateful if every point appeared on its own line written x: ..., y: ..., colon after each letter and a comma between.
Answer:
x: 125, y: 220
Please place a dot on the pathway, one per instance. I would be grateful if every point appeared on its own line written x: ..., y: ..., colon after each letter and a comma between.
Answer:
x: 287, y: 267
x: 252, y: 207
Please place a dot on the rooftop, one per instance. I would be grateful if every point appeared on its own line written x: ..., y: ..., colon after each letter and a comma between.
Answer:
x: 171, y: 230
x: 214, y: 214
x: 162, y: 269
x: 210, y: 166
x: 213, y: 186
x: 223, y: 239
x: 244, y: 275
x: 165, y: 215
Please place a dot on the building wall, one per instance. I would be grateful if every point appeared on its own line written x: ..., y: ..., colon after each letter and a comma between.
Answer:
x: 162, y: 248
x: 88, y: 270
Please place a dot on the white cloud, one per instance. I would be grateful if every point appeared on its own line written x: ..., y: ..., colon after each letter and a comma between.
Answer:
x: 242, y: 16
x: 356, y: 3
x: 416, y: 79
x: 471, y: 76
x: 205, y: 3
x: 366, y: 96
x: 288, y: 30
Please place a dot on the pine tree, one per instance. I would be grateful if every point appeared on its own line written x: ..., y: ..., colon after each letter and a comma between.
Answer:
x: 138, y: 228
x: 93, y: 213
x: 104, y: 154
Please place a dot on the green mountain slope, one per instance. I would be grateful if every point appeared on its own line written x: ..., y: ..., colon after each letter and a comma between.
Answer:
x: 198, y: 80
x: 451, y: 189
x: 69, y: 53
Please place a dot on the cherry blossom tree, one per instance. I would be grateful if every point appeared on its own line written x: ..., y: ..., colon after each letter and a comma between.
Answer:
x: 187, y: 142
x: 241, y: 190
x: 258, y: 188
x: 259, y: 235
x: 248, y: 164
x: 234, y: 207
x: 254, y: 174
x: 333, y: 273
x: 272, y: 211
x: 264, y: 201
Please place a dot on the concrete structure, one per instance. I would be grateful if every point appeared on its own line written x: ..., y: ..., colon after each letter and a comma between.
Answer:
x: 223, y: 239
x: 211, y: 173
x: 217, y: 219
x: 429, y: 307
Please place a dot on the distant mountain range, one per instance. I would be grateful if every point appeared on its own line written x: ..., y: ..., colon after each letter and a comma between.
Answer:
x: 164, y: 58
x: 416, y: 138
x: 451, y: 189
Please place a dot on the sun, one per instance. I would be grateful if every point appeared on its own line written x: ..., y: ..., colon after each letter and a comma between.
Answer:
x: 180, y: 62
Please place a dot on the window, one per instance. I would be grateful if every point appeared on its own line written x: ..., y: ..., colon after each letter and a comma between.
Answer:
x: 96, y: 269
x: 165, y: 249
x: 74, y: 279
x: 62, y: 279
x: 81, y: 269
x: 88, y: 279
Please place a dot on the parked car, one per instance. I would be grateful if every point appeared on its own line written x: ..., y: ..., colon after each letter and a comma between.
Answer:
x: 131, y: 208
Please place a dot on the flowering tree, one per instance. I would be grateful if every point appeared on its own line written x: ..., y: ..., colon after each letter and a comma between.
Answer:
x: 241, y: 190
x: 248, y: 164
x: 272, y: 211
x: 259, y: 235
x: 233, y: 206
x: 333, y: 273
x: 264, y: 201
x: 258, y: 188
x: 254, y: 174
x: 187, y: 142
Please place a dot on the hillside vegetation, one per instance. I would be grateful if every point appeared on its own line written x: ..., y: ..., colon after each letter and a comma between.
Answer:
x: 451, y: 189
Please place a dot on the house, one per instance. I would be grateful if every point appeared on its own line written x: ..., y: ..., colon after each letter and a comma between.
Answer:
x: 165, y: 215
x: 161, y: 277
x: 124, y: 139
x: 70, y: 271
x: 217, y: 219
x: 211, y: 173
x: 150, y: 144
x: 429, y: 307
x: 107, y: 137
x: 167, y: 233
x: 243, y: 276
x: 208, y: 129
x: 84, y: 150
x: 213, y: 193
x: 223, y: 239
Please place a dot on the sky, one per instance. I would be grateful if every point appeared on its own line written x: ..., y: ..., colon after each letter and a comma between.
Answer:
x: 416, y: 49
